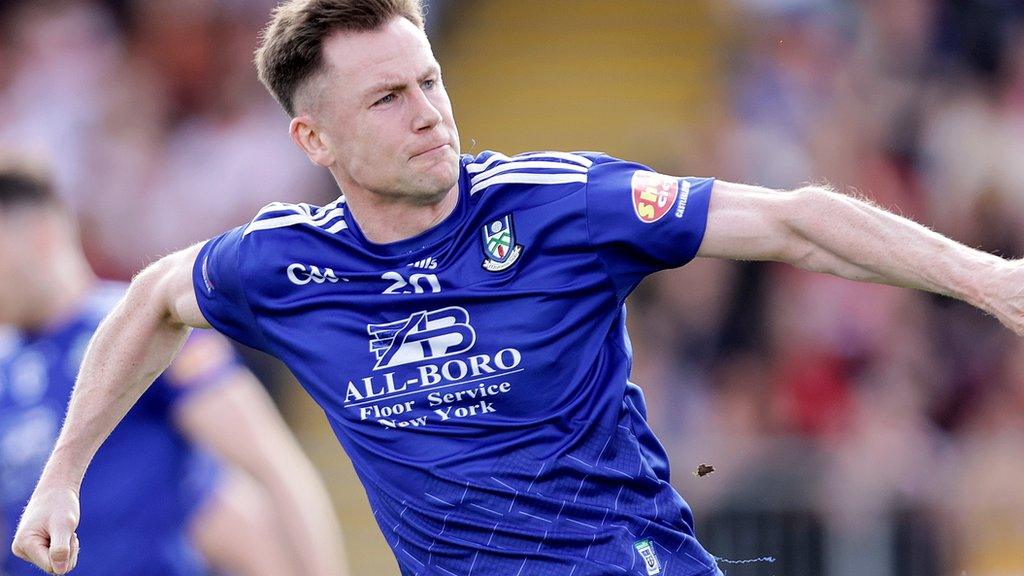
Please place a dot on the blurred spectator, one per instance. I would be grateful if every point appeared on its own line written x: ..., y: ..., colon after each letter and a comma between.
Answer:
x: 162, y: 127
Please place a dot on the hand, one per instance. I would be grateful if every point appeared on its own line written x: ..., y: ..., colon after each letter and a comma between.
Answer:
x: 46, y: 534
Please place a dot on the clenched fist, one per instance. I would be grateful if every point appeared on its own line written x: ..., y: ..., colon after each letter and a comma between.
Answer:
x: 46, y: 534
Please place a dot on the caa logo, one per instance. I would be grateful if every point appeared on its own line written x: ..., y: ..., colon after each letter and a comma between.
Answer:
x: 653, y: 195
x: 422, y: 336
x: 299, y: 276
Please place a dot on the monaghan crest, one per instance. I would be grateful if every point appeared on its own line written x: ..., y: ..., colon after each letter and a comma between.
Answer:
x: 499, y: 243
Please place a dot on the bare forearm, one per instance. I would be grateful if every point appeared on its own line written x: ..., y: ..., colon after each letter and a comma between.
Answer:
x: 128, y: 351
x: 822, y: 231
x: 847, y: 237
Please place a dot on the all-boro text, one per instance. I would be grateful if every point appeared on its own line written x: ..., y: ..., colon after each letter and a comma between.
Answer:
x: 459, y: 388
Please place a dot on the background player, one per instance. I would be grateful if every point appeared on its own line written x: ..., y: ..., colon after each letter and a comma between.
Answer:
x: 743, y: 222
x: 155, y: 494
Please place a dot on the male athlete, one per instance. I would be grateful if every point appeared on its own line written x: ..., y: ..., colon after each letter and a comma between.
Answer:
x: 459, y: 318
x: 154, y: 503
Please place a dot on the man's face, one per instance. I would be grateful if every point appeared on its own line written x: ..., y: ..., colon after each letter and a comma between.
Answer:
x: 383, y: 113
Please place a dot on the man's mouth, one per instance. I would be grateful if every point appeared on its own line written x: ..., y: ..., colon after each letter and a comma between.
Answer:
x: 433, y: 149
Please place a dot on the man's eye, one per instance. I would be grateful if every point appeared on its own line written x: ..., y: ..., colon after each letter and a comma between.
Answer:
x: 385, y: 100
x: 429, y: 84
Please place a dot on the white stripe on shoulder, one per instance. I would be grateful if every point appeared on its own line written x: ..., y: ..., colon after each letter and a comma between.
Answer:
x: 475, y: 167
x: 338, y: 227
x: 277, y: 207
x: 293, y: 214
x: 528, y: 178
x: 526, y: 166
x: 336, y: 204
x: 321, y: 219
x: 280, y: 222
x: 565, y: 157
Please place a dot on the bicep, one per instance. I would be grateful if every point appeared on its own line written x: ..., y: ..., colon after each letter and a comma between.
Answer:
x: 747, y: 223
x: 178, y: 290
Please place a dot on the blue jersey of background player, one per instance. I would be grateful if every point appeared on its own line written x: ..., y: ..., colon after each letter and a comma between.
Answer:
x: 477, y: 373
x: 151, y: 496
x: 146, y: 482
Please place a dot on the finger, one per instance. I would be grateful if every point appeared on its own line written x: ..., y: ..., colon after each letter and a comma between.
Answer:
x: 32, y: 549
x: 60, y: 550
x: 75, y: 548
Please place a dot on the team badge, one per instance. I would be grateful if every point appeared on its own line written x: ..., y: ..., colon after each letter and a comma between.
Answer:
x: 653, y: 195
x: 499, y: 242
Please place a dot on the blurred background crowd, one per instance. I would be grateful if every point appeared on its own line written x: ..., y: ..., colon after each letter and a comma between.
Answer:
x: 855, y: 429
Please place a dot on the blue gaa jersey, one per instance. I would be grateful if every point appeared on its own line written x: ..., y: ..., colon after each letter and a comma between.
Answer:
x: 146, y: 480
x: 477, y: 374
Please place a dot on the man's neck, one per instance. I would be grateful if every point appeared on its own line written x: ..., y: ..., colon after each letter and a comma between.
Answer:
x: 383, y: 221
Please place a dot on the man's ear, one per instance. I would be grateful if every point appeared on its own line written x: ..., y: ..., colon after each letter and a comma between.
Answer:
x: 307, y: 137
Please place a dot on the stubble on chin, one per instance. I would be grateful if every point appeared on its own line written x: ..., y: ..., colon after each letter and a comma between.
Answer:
x: 430, y: 188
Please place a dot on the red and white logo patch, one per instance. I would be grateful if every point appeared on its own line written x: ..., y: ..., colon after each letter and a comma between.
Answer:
x: 653, y: 195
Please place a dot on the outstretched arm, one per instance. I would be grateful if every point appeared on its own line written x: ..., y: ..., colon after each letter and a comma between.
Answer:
x: 823, y: 231
x: 129, y: 350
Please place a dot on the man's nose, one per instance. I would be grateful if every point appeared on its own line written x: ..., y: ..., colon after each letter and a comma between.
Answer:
x: 427, y: 114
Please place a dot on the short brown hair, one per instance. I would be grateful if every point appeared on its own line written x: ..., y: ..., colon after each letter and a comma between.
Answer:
x: 290, y: 51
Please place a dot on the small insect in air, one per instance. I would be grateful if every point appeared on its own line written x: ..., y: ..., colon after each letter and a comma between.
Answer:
x: 704, y: 470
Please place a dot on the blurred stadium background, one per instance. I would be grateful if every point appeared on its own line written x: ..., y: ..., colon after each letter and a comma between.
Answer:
x: 855, y: 429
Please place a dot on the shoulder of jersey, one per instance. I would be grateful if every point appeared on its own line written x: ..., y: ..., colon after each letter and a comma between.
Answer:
x: 491, y: 169
x: 329, y: 218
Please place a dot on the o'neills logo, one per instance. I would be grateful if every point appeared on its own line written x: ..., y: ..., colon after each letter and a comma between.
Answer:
x: 653, y: 195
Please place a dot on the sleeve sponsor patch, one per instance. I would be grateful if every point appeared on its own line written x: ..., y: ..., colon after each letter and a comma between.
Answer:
x: 654, y: 195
